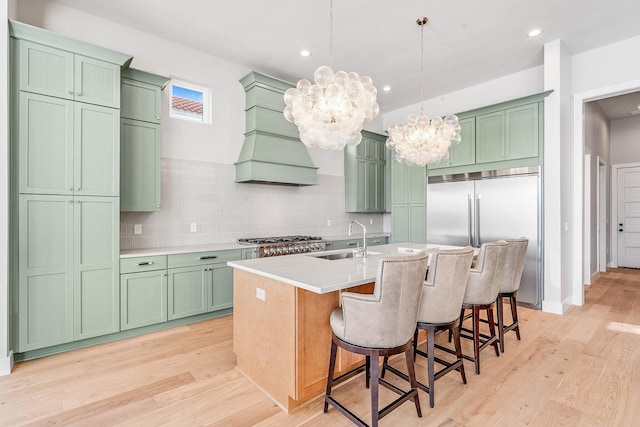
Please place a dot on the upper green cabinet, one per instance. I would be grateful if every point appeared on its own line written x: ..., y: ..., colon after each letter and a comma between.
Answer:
x: 508, y: 135
x: 67, y: 147
x: 463, y: 153
x: 499, y: 136
x: 141, y: 95
x: 140, y: 141
x: 364, y: 170
x: 56, y: 72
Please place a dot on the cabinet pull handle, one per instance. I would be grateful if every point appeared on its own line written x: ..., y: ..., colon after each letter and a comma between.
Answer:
x: 209, y: 257
x: 351, y: 243
x: 146, y: 263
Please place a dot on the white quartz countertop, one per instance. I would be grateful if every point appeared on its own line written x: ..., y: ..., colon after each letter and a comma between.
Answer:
x: 173, y: 250
x: 319, y: 275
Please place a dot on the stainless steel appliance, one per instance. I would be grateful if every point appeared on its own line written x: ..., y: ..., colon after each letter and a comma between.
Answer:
x: 470, y: 209
x: 285, y: 245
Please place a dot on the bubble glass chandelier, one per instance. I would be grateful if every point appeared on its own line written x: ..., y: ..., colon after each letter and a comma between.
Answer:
x: 330, y: 113
x: 423, y: 140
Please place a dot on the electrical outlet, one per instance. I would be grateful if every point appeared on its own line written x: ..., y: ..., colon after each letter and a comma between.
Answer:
x: 194, y: 227
x: 328, y: 223
x: 137, y: 229
x: 261, y: 294
x: 370, y: 221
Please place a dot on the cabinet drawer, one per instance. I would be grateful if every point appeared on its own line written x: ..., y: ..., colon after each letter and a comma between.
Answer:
x: 138, y: 264
x: 203, y: 258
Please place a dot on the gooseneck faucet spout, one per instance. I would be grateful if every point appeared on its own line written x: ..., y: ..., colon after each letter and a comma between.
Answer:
x: 363, y: 250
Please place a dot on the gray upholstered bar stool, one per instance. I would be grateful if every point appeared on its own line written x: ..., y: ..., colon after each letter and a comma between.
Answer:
x: 481, y: 294
x: 380, y: 324
x: 440, y: 305
x: 509, y: 283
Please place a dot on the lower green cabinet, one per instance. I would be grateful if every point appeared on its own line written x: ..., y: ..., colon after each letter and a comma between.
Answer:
x: 188, y: 290
x: 143, y: 299
x: 199, y: 289
x: 68, y: 250
x: 221, y: 289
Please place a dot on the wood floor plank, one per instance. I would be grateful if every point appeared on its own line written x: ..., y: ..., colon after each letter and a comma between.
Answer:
x: 578, y: 369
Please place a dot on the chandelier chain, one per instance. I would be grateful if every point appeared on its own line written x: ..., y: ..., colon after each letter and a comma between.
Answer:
x: 331, y: 34
x: 422, y: 23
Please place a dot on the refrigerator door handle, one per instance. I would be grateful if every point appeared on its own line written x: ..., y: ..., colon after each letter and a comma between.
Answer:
x: 477, y: 222
x: 470, y: 221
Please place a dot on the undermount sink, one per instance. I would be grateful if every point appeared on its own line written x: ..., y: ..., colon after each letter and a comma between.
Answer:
x: 343, y: 255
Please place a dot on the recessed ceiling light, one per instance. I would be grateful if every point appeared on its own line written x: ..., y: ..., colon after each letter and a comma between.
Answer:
x: 388, y: 88
x: 305, y: 53
x: 535, y: 32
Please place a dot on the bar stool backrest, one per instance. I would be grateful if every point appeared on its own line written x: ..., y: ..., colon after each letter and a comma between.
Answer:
x: 386, y: 318
x: 511, y: 274
x: 482, y: 288
x: 445, y: 286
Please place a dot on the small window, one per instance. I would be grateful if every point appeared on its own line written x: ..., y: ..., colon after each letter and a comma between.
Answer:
x: 190, y: 102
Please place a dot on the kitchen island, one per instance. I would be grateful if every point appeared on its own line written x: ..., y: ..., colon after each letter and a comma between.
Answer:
x: 281, y: 331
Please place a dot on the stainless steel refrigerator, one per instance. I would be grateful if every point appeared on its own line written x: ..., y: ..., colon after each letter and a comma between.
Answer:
x: 470, y: 209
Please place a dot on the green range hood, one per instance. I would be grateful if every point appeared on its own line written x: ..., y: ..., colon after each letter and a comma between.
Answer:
x: 272, y: 152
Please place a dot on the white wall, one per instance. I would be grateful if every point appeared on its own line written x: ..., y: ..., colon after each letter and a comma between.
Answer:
x: 625, y: 140
x: 606, y: 66
x: 596, y: 138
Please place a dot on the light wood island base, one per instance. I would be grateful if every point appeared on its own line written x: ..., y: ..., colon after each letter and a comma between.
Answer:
x: 282, y: 343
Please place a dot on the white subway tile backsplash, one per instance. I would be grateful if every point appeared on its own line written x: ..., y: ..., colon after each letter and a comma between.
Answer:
x: 205, y: 193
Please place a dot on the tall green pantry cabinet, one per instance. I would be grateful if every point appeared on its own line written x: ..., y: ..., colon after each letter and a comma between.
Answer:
x: 65, y: 188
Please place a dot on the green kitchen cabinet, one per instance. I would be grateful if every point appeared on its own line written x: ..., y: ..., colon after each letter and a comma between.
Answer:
x: 373, y: 241
x: 139, y: 166
x: 201, y: 282
x: 63, y: 74
x: 408, y: 183
x: 68, y: 268
x: 221, y: 287
x: 143, y: 291
x: 140, y: 141
x: 408, y: 207
x: 188, y: 290
x: 463, y: 153
x: 508, y: 134
x: 143, y: 298
x: 45, y: 257
x: 364, y: 168
x: 141, y: 95
x: 96, y: 266
x: 408, y: 223
x: 67, y: 148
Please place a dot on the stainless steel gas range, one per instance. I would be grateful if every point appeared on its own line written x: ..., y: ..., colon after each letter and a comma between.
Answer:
x: 285, y: 245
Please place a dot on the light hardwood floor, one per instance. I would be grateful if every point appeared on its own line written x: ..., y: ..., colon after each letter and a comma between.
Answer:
x: 579, y: 369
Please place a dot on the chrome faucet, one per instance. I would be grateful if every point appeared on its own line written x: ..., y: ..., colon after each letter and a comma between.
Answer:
x: 363, y: 250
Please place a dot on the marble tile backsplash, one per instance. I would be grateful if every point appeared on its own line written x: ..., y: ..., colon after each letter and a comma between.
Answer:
x: 205, y: 194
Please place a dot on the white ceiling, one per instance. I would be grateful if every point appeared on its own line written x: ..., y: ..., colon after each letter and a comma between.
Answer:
x: 466, y: 41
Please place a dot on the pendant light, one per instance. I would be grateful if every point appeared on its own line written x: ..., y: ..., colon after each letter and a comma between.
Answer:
x: 330, y: 113
x: 423, y: 140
